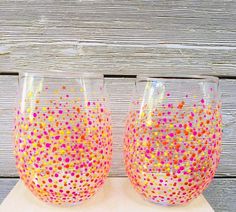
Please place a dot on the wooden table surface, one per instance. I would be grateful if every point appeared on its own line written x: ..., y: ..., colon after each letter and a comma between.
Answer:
x: 121, y: 39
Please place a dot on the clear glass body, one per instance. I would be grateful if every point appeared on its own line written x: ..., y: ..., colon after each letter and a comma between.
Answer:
x: 173, y: 137
x: 63, y: 138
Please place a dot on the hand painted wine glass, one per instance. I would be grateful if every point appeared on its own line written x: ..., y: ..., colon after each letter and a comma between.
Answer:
x: 63, y: 138
x: 173, y: 137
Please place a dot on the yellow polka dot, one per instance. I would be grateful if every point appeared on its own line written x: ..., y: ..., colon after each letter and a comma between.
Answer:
x: 176, y: 167
x: 187, y: 129
x: 155, y: 133
x: 104, y: 135
x: 30, y: 94
x: 142, y: 114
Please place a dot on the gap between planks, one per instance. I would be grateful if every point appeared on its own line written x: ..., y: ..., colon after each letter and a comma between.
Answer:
x: 133, y: 76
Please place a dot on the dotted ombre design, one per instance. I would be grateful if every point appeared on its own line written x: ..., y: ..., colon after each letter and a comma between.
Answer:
x: 172, y: 143
x: 63, y: 142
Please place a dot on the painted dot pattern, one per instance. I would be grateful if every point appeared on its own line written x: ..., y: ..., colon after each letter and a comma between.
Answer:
x: 63, y: 144
x: 172, y: 151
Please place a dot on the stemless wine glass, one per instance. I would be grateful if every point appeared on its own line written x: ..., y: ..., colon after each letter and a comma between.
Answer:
x: 63, y: 138
x: 173, y: 137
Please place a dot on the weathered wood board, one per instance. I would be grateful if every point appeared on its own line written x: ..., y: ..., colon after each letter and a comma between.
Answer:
x: 117, y: 59
x: 119, y: 37
x: 135, y: 22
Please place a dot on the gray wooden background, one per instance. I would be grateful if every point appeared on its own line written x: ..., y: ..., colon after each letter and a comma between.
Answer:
x: 121, y: 39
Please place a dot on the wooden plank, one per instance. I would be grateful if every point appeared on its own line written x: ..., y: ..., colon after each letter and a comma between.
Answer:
x: 140, y: 22
x: 119, y: 38
x: 221, y: 193
x: 120, y: 91
x: 6, y: 184
x: 115, y: 59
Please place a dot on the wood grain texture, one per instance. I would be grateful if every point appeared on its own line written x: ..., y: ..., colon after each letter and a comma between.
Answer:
x: 120, y: 92
x: 221, y: 193
x: 127, y: 37
x: 113, y: 59
x: 6, y: 184
x: 144, y: 22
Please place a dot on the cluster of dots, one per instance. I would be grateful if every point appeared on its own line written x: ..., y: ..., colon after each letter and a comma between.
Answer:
x: 172, y: 152
x: 63, y: 146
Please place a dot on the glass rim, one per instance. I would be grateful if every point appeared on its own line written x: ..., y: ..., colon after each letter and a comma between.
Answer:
x: 178, y: 77
x: 58, y: 74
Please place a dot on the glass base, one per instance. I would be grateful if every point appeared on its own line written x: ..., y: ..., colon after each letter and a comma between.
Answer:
x: 165, y: 204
